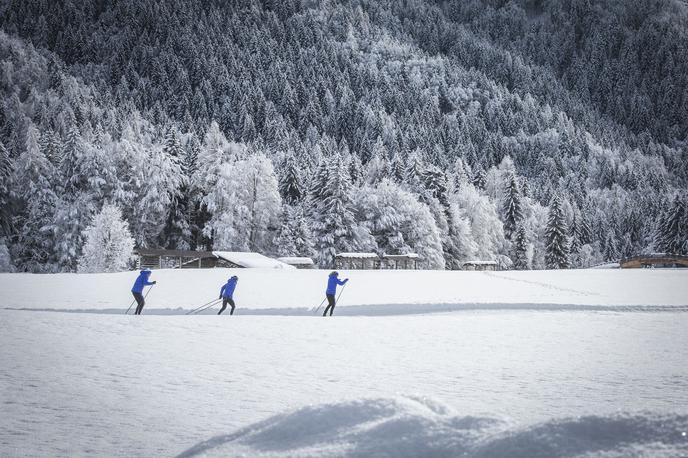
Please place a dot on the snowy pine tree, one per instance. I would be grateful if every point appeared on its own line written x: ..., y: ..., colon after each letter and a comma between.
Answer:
x: 5, y: 257
x: 33, y: 186
x: 334, y: 227
x: 108, y: 242
x: 611, y: 249
x: 290, y: 182
x: 177, y: 231
x: 575, y: 240
x: 72, y: 153
x: 5, y: 175
x: 294, y: 238
x: 512, y: 213
x: 671, y: 235
x: 520, y: 248
x: 556, y: 237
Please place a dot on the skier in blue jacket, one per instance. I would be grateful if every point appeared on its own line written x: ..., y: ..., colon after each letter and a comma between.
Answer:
x: 137, y: 289
x: 226, y: 293
x: 332, y: 282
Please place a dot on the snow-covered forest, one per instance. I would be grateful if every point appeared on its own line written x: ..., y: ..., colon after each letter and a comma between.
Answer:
x: 539, y: 134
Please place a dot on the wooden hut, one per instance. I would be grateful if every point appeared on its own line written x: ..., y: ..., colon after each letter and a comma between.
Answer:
x: 480, y: 265
x: 354, y: 261
x: 401, y: 261
x: 654, y: 260
x: 174, y: 259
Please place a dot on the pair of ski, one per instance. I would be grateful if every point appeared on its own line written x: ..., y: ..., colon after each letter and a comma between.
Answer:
x: 203, y: 307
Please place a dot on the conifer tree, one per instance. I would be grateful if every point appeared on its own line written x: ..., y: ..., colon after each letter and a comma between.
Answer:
x: 177, y: 231
x: 295, y: 238
x: 72, y: 152
x: 512, y: 212
x: 334, y: 226
x: 520, y: 248
x: 556, y: 237
x: 611, y: 248
x: 671, y: 235
x: 575, y: 240
x: 33, y: 186
x: 5, y: 174
x: 479, y: 180
x: 290, y: 182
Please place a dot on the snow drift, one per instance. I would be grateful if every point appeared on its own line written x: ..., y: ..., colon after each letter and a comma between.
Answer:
x: 413, y: 427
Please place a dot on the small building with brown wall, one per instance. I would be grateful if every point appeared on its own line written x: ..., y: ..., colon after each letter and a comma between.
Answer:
x: 654, y: 260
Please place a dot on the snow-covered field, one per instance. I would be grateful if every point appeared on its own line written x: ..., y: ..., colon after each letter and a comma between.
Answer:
x: 276, y: 291
x: 576, y: 363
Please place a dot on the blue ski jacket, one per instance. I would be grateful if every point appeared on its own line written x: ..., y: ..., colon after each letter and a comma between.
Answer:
x: 332, y: 283
x: 142, y: 281
x: 227, y: 289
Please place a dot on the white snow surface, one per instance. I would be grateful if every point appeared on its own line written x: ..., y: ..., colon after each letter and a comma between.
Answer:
x: 419, y: 427
x: 516, y: 383
x: 584, y: 363
x: 369, y: 292
x: 252, y: 260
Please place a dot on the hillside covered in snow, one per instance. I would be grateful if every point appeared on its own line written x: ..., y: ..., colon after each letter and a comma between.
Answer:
x: 543, y: 134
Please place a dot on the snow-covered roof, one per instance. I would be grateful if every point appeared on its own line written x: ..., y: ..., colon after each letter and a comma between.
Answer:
x: 251, y: 260
x: 357, y: 255
x: 606, y: 265
x: 482, y: 263
x: 296, y: 260
x: 402, y: 256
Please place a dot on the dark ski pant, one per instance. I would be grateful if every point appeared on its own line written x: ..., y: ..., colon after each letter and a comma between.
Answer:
x: 140, y: 303
x: 330, y: 304
x: 225, y: 301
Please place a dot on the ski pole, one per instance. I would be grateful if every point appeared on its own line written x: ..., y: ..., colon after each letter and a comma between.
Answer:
x: 130, y: 306
x: 201, y: 306
x: 321, y: 304
x: 144, y: 298
x: 203, y: 309
x: 339, y: 295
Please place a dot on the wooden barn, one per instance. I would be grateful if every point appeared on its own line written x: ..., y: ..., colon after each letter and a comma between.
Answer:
x: 186, y: 259
x: 401, y: 261
x: 357, y: 261
x: 174, y: 259
x: 480, y: 265
x: 654, y: 260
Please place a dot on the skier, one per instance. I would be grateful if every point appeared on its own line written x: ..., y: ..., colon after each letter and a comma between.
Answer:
x: 137, y: 289
x: 226, y: 293
x: 332, y: 282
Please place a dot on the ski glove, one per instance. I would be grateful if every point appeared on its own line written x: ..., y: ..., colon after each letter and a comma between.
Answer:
x: 154, y: 282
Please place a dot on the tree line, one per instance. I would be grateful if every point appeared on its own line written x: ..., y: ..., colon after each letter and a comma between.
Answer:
x: 306, y: 129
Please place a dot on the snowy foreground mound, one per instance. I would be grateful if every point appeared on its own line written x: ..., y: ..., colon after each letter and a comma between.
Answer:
x: 412, y: 427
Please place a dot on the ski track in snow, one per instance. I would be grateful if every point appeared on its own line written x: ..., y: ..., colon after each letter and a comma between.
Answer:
x: 383, y: 309
x: 545, y: 285
x: 264, y: 291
